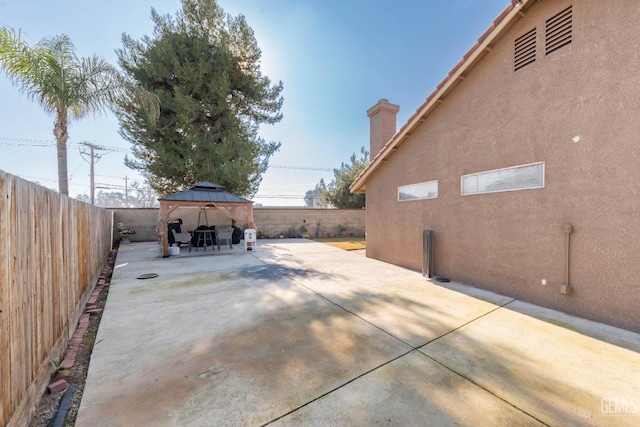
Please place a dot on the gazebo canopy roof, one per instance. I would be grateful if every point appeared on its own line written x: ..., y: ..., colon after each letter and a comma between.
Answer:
x: 205, y: 192
x: 206, y: 195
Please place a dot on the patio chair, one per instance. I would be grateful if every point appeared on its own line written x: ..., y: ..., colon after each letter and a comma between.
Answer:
x: 224, y: 233
x: 181, y: 238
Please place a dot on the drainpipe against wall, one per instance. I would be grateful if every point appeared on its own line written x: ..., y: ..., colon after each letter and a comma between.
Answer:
x: 565, y: 288
x: 427, y: 253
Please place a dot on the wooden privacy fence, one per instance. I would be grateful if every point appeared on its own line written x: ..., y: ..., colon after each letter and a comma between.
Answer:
x: 52, y: 249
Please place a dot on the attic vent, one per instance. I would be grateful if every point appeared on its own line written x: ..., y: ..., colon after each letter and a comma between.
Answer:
x: 525, y: 50
x: 558, y: 30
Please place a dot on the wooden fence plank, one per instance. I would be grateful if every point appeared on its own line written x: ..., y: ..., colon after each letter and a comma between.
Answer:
x: 18, y: 287
x: 5, y: 307
x: 48, y: 274
x: 52, y: 251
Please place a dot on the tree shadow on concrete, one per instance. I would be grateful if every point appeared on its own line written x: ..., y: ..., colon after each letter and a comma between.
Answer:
x: 296, y: 338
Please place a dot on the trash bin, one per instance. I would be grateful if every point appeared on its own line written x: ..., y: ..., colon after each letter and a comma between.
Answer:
x: 249, y: 239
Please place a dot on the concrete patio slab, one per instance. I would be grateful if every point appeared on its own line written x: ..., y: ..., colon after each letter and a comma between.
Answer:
x: 231, y: 347
x: 563, y: 375
x: 397, y: 300
x: 299, y: 333
x: 410, y: 391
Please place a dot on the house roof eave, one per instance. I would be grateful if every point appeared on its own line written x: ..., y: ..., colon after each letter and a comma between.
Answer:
x: 512, y: 12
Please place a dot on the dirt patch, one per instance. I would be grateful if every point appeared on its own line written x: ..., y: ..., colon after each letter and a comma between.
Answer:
x: 77, y: 374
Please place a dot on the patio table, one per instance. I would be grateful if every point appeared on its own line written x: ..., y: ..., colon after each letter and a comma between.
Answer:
x: 204, y: 236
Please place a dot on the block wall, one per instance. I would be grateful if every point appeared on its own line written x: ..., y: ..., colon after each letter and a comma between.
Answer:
x: 271, y: 222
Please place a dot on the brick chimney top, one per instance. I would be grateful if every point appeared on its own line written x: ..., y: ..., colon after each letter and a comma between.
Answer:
x: 382, y: 125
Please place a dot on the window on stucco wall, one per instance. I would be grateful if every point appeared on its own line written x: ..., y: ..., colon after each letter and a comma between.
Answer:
x: 520, y: 177
x: 422, y: 190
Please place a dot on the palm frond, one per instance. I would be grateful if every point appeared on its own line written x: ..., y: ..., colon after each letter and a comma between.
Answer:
x: 19, y: 61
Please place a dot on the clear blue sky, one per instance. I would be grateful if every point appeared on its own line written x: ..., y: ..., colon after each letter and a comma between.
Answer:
x: 336, y: 58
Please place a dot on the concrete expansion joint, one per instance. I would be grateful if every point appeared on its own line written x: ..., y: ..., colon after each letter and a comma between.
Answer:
x: 482, y: 387
x: 352, y: 313
x: 357, y: 377
x: 461, y: 375
x: 412, y: 349
x: 467, y: 323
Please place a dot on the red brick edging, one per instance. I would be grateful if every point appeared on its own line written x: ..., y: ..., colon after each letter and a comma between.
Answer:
x: 73, y: 347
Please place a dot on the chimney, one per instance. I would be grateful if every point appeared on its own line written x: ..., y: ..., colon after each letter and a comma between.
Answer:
x: 382, y: 125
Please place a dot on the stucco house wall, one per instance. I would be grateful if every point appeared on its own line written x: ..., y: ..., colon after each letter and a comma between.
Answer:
x: 576, y: 110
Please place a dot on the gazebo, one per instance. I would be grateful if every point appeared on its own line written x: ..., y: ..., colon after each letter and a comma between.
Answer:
x: 200, y: 196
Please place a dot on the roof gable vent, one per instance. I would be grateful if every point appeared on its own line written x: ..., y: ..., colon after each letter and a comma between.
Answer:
x: 558, y: 30
x: 525, y: 50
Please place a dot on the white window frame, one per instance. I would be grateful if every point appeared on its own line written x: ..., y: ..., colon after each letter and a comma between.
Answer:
x: 420, y: 184
x: 494, y: 171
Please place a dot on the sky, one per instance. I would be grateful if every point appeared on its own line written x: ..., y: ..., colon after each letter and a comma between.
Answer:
x: 336, y: 59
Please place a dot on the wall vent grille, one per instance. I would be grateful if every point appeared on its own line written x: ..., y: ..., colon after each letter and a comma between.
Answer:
x: 558, y: 30
x: 525, y: 50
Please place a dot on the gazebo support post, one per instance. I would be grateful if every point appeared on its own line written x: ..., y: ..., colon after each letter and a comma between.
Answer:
x: 165, y: 239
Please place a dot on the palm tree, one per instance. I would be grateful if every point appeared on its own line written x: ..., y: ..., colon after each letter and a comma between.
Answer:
x: 67, y: 86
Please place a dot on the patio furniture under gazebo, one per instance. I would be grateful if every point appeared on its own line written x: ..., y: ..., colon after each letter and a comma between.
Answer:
x: 200, y: 196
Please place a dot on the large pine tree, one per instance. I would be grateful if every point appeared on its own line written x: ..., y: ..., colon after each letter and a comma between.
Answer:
x: 204, y: 66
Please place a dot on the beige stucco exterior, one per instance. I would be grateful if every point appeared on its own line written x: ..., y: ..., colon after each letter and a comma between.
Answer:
x: 577, y: 110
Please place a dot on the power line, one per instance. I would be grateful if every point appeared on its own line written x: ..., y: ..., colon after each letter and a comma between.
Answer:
x: 112, y: 149
x: 111, y: 176
x: 26, y: 142
x: 276, y: 196
x: 104, y: 185
x: 77, y: 168
x: 22, y: 151
x: 38, y: 178
x: 301, y: 168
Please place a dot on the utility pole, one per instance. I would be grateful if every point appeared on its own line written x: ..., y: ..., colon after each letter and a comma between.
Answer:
x: 93, y: 157
x: 126, y: 192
